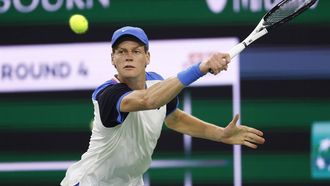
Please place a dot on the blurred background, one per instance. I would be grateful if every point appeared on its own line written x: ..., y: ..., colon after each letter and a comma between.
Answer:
x: 284, y: 78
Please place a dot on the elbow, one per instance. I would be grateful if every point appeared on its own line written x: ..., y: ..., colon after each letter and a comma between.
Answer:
x: 173, y: 120
x: 171, y: 125
x: 150, y: 103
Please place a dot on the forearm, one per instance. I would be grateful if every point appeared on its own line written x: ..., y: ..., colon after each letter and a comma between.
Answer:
x: 231, y: 134
x: 163, y: 92
x: 190, y: 125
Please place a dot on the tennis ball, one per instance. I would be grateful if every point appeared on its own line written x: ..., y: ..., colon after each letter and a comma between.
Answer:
x: 78, y: 24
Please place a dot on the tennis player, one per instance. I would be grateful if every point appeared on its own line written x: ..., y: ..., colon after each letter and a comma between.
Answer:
x: 130, y: 110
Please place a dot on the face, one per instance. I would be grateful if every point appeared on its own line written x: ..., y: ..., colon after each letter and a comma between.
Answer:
x: 130, y: 59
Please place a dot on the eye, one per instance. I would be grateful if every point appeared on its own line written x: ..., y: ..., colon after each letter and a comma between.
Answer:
x: 120, y: 51
x: 137, y: 51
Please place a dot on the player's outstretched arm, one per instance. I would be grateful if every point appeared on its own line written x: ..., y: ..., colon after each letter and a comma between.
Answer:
x: 163, y: 92
x: 231, y: 134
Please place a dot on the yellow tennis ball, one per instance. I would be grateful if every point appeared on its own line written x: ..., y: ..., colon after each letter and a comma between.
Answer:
x: 78, y: 24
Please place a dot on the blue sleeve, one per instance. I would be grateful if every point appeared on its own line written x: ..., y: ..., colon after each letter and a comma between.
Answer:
x: 153, y: 76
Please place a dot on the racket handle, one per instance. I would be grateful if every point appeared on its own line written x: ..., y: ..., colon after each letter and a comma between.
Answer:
x: 236, y: 50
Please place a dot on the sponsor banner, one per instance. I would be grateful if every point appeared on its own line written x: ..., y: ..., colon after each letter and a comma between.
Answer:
x: 84, y: 66
x: 149, y: 12
x: 320, y: 150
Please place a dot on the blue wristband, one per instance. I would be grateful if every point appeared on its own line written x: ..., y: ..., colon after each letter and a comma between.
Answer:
x: 190, y: 75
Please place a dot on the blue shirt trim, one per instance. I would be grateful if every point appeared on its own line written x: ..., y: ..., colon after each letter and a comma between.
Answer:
x: 120, y: 118
x: 153, y: 76
x: 103, y: 86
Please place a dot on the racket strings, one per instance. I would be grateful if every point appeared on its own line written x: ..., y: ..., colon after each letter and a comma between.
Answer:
x: 286, y: 9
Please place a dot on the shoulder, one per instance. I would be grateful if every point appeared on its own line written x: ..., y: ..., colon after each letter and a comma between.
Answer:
x: 109, y: 86
x: 153, y: 76
x: 116, y: 88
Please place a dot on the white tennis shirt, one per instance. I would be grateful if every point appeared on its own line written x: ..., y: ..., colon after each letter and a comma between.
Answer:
x: 119, y: 155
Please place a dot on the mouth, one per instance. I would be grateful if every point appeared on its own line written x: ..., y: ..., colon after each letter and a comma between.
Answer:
x: 129, y: 67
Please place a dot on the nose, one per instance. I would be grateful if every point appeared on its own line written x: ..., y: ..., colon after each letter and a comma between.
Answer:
x: 129, y: 56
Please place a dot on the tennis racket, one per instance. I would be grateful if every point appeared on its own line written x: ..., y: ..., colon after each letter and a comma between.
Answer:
x: 283, y: 12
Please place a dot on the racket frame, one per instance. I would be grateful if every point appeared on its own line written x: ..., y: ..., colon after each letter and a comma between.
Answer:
x: 262, y: 28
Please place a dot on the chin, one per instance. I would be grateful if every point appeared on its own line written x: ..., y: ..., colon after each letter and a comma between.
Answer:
x: 129, y: 74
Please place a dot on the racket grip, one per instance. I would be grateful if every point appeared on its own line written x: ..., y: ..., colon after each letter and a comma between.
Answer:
x: 236, y: 50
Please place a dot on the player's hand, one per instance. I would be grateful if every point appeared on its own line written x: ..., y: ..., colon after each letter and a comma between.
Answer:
x: 216, y: 63
x: 241, y: 135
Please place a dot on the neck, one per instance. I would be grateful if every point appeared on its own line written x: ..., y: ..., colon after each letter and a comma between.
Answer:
x: 133, y: 83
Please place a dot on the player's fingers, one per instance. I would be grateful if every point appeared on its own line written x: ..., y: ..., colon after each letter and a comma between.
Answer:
x: 249, y: 144
x: 220, y: 65
x: 214, y: 71
x: 227, y: 57
x: 255, y: 138
x: 235, y: 119
x: 212, y: 67
x: 223, y: 62
x: 216, y: 68
x: 255, y: 131
x: 218, y: 62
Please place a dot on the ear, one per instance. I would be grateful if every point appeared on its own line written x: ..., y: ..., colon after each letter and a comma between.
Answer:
x: 112, y: 61
x: 148, y: 59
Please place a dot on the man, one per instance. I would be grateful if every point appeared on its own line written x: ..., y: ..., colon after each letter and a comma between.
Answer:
x: 130, y: 110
